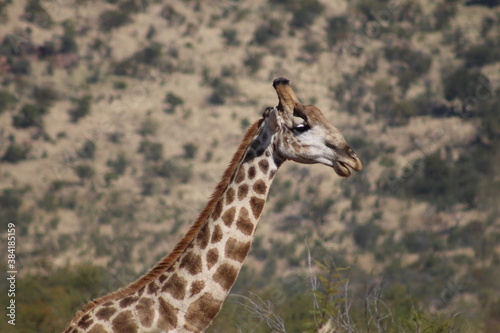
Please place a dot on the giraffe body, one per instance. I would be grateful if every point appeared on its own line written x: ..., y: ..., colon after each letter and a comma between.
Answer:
x: 186, y: 290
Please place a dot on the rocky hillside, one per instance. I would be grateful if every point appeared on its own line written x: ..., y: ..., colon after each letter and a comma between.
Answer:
x: 118, y: 117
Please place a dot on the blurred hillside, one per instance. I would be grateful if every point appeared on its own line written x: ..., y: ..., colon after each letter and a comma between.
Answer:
x: 118, y: 117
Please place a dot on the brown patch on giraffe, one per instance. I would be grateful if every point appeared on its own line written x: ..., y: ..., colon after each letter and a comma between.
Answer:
x: 98, y: 329
x: 225, y: 276
x: 145, y: 311
x: 229, y: 196
x: 218, y: 209
x: 124, y: 322
x: 162, y: 278
x: 242, y: 191
x: 105, y: 313
x: 243, y: 223
x: 257, y: 205
x: 192, y: 263
x: 152, y: 288
x: 240, y: 175
x: 264, y: 166
x: 212, y: 257
x: 251, y: 172
x: 168, y: 263
x: 236, y: 250
x: 124, y: 302
x: 108, y: 304
x: 201, y: 312
x: 168, y: 316
x: 140, y: 291
x: 196, y: 287
x: 217, y: 234
x: 203, y: 236
x: 260, y: 187
x: 228, y: 217
x: 176, y: 286
x: 85, y: 322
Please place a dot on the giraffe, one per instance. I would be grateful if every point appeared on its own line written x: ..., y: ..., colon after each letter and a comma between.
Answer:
x: 186, y: 289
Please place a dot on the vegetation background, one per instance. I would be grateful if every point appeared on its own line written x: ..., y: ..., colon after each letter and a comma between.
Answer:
x: 118, y: 117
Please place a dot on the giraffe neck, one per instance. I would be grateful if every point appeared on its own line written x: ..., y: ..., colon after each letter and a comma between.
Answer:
x: 199, y: 282
x: 186, y: 290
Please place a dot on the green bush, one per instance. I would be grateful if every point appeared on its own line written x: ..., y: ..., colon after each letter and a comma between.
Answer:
x: 269, y: 30
x: 463, y: 82
x: 30, y: 115
x: 87, y: 150
x: 81, y: 108
x: 15, y: 153
x: 36, y: 14
x: 305, y: 12
x: 366, y: 235
x: 120, y: 164
x: 152, y: 151
x: 7, y: 100
x: 112, y: 19
x: 84, y: 172
x: 481, y: 54
x: 173, y: 170
x: 338, y: 30
x: 190, y: 150
x: 149, y: 126
x: 68, y: 43
x: 253, y: 62
x: 173, y: 101
x: 230, y: 37
x: 221, y: 91
x: 150, y: 55
x: 45, y: 96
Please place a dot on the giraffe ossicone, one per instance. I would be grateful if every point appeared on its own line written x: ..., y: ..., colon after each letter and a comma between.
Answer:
x: 186, y: 289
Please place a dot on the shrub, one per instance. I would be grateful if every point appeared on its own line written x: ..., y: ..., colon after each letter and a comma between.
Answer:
x: 230, y: 37
x: 173, y: 101
x: 35, y: 13
x: 82, y: 108
x: 87, y: 150
x: 112, y: 19
x: 305, y: 12
x: 421, y: 241
x: 366, y: 235
x: 148, y: 126
x: 480, y: 55
x: 6, y: 100
x: 172, y: 16
x: 153, y: 151
x: 271, y: 29
x: 462, y: 83
x: 338, y: 30
x: 445, y: 10
x: 68, y: 43
x: 150, y: 54
x: 190, y: 150
x: 29, y: 115
x: 84, y: 172
x: 16, y: 153
x: 254, y: 62
x: 45, y: 96
x: 173, y: 170
x: 221, y: 90
x: 21, y: 67
x: 120, y: 164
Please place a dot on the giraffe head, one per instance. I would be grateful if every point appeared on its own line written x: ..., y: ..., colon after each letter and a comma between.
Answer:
x: 304, y: 134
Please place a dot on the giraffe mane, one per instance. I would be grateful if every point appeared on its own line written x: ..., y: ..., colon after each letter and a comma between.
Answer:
x: 169, y: 260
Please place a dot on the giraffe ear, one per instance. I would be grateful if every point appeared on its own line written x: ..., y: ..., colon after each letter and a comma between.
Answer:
x: 273, y: 120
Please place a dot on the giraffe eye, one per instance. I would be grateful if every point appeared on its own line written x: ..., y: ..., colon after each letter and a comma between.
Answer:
x: 301, y: 128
